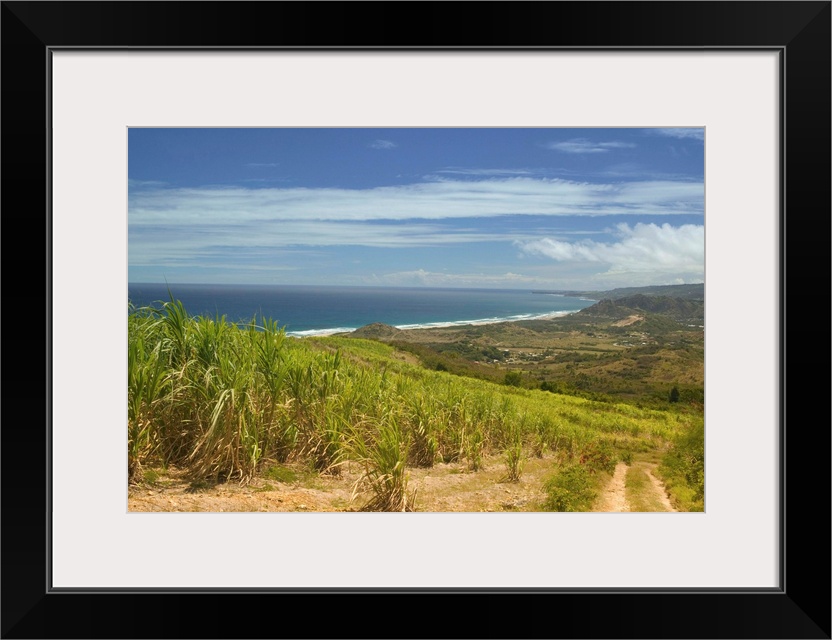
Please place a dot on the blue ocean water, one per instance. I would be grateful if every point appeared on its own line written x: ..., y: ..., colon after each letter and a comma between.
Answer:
x: 320, y: 310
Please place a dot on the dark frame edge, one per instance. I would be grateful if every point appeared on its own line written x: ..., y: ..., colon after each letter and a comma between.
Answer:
x: 48, y: 221
x: 806, y: 108
x: 23, y: 120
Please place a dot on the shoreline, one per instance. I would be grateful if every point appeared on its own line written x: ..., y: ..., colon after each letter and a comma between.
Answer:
x: 451, y: 324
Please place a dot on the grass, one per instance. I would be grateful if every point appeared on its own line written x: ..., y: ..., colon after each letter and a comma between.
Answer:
x: 151, y: 476
x: 382, y: 452
x: 281, y: 473
x: 683, y: 468
x: 640, y: 493
x: 514, y: 461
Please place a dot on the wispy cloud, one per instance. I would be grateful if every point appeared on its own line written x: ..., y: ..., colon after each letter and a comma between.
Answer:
x: 692, y: 133
x: 427, y: 200
x: 382, y: 144
x: 198, y: 226
x: 262, y: 164
x: 582, y: 145
x: 153, y: 243
x: 487, y: 172
x: 422, y: 277
x: 132, y: 183
x: 665, y: 250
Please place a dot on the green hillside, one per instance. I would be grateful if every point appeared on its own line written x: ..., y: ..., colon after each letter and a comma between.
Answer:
x: 634, y: 349
x: 684, y: 291
x: 226, y: 403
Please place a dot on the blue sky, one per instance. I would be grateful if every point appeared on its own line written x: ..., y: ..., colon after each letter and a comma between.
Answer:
x: 514, y: 208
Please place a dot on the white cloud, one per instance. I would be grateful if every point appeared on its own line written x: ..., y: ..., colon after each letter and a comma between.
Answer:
x: 184, y: 226
x: 152, y: 244
x: 132, y: 183
x: 582, y: 145
x: 421, y: 277
x: 664, y: 251
x: 383, y: 144
x: 693, y: 133
x: 434, y: 200
x: 486, y: 172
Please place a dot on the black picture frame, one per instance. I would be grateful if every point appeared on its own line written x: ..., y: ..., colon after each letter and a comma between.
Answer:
x: 799, y: 608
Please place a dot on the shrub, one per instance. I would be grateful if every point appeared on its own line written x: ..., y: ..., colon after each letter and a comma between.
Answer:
x: 598, y: 456
x: 474, y: 444
x: 383, y: 459
x: 514, y: 461
x: 281, y: 474
x: 545, y: 436
x: 514, y: 453
x: 684, y: 465
x: 513, y: 379
x: 424, y: 447
x: 570, y: 489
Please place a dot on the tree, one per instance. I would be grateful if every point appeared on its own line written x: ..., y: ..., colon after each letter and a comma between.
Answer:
x: 549, y: 386
x: 513, y: 379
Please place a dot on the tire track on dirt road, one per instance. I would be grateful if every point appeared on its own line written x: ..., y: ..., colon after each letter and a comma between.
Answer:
x: 658, y: 487
x: 614, y: 496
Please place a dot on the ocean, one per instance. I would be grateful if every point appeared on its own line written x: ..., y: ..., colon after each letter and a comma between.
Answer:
x: 322, y: 310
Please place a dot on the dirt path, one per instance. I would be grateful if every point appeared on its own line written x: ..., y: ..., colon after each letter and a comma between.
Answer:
x: 646, y: 491
x: 660, y: 491
x: 614, y: 498
x: 446, y: 487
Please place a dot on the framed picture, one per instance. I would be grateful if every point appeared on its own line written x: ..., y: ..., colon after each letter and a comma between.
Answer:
x: 78, y: 76
x: 440, y: 243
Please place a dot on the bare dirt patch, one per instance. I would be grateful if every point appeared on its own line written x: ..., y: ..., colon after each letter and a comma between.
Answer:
x: 626, y: 322
x: 442, y: 488
x: 173, y: 492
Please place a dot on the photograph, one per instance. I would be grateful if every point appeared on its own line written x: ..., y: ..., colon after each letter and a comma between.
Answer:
x: 422, y: 319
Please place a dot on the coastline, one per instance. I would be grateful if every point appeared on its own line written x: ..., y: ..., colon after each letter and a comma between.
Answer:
x: 452, y: 324
x: 308, y: 311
